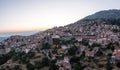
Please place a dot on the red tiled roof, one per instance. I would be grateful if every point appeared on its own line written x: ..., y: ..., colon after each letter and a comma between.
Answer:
x: 64, y: 64
x: 117, y: 54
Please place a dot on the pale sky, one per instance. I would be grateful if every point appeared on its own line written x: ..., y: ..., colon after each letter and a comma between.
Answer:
x: 27, y: 15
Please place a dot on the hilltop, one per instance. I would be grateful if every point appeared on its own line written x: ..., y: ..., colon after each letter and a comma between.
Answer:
x: 105, y: 14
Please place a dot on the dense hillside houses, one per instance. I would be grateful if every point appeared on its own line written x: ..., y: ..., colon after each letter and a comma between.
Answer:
x: 83, y: 45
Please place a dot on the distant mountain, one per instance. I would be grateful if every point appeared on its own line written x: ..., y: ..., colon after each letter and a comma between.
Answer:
x: 6, y: 35
x: 2, y: 38
x: 105, y: 14
x: 26, y: 33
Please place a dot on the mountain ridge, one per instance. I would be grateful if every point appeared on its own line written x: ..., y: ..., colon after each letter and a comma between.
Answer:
x: 105, y: 14
x: 90, y: 18
x: 2, y: 38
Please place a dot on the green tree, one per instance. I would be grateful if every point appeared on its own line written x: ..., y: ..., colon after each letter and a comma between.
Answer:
x: 2, y: 69
x: 109, y: 65
x: 45, y: 61
x: 6, y: 57
x: 30, y: 66
x: 85, y: 42
x: 72, y: 50
x: 30, y: 54
x: 74, y: 60
x: 83, y: 55
x: 118, y: 64
x: 53, y: 66
x: 46, y: 46
x: 99, y: 53
x: 38, y: 65
x: 77, y: 66
x: 56, y: 41
x: 17, y: 67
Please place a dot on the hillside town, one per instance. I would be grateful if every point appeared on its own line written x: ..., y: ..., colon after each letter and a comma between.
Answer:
x: 88, y: 45
x: 59, y: 34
